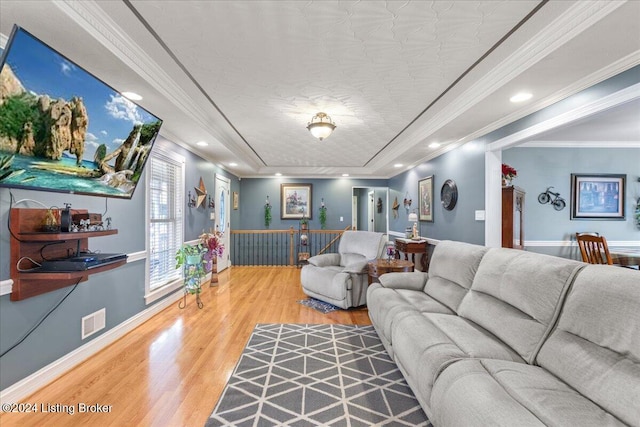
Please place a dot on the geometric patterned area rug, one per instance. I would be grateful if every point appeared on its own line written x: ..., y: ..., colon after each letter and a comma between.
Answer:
x: 321, y: 306
x: 310, y: 375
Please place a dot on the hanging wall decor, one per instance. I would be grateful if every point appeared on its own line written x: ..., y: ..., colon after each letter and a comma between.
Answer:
x: 425, y: 199
x: 553, y: 199
x: 201, y: 193
x: 598, y: 196
x: 449, y: 194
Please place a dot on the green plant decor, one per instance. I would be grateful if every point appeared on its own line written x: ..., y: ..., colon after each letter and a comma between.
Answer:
x: 267, y: 215
x: 323, y: 217
x: 189, y: 257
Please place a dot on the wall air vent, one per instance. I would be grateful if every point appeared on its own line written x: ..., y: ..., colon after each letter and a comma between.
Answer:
x: 93, y: 322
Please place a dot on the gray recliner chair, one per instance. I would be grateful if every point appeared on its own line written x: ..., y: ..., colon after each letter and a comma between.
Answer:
x: 341, y: 279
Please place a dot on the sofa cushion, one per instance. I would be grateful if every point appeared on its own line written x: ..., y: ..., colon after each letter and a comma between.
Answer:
x: 452, y: 268
x: 386, y: 305
x: 365, y: 243
x: 426, y: 343
x: 517, y: 295
x: 596, y: 345
x: 500, y: 393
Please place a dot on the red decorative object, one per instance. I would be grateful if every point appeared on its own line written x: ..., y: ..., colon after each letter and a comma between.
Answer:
x: 508, y: 173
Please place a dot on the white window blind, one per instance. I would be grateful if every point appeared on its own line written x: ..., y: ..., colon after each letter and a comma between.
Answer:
x: 165, y: 218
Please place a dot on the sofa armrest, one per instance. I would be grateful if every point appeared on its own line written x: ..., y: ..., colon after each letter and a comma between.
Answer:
x: 324, y: 260
x: 407, y: 280
x: 356, y: 267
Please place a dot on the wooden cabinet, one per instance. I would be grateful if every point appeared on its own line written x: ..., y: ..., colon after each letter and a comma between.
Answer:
x: 28, y: 242
x: 513, y: 217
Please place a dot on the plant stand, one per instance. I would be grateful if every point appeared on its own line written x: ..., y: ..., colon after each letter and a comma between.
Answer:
x: 192, y: 272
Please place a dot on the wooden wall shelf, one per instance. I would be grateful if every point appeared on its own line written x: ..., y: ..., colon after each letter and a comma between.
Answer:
x: 27, y: 241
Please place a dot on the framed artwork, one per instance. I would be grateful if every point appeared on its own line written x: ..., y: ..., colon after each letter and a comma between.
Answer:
x: 425, y: 199
x: 235, y: 201
x: 295, y: 201
x: 597, y: 196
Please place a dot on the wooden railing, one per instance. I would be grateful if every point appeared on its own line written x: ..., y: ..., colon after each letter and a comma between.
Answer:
x: 279, y: 247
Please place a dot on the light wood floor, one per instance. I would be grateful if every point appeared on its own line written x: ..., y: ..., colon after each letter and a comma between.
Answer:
x: 171, y: 370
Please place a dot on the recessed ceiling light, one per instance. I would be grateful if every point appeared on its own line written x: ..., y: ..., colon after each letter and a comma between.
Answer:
x: 131, y: 95
x: 434, y: 145
x: 521, y: 97
x: 233, y: 164
x: 345, y: 174
x: 398, y: 165
x: 278, y: 174
x: 202, y: 143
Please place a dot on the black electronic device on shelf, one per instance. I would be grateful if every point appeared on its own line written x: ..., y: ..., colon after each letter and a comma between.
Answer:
x: 82, y: 262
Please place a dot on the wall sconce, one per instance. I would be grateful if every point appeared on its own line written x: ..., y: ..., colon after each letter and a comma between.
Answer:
x: 191, y: 201
x: 212, y: 204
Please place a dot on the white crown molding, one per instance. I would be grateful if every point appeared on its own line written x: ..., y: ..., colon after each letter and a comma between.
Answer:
x: 23, y: 388
x: 563, y: 29
x: 581, y: 144
x: 97, y: 23
x: 627, y: 94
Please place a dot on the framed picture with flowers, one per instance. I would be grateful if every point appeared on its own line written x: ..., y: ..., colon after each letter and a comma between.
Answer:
x: 425, y: 199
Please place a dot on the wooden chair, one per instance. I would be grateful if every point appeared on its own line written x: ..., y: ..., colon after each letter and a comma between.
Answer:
x: 593, y: 248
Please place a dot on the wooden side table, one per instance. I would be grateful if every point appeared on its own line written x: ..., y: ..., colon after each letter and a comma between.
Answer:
x: 413, y: 247
x: 381, y: 266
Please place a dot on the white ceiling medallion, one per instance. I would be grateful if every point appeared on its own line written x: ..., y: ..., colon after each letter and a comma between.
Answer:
x: 321, y: 126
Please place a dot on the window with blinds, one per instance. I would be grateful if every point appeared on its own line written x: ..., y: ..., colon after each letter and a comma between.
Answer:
x: 164, y: 210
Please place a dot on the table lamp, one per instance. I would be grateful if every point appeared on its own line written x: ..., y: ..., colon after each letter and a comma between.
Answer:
x: 413, y: 217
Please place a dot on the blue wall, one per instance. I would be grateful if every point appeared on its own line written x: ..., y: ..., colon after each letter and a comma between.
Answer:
x: 539, y: 168
x: 120, y: 291
x: 465, y: 166
x: 336, y: 193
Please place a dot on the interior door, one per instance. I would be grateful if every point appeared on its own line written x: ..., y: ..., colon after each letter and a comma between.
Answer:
x: 354, y: 212
x: 223, y: 213
x: 371, y: 224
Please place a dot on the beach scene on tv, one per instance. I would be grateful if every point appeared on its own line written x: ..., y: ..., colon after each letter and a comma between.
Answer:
x: 62, y: 129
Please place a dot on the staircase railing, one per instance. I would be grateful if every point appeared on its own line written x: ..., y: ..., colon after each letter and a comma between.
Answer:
x: 279, y: 247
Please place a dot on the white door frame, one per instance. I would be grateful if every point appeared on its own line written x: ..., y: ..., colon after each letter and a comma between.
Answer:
x: 493, y: 155
x: 223, y: 206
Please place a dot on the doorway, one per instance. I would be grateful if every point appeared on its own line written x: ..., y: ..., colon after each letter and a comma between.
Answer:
x: 223, y: 213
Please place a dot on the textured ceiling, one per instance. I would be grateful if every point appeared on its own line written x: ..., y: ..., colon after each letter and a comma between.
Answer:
x: 247, y: 76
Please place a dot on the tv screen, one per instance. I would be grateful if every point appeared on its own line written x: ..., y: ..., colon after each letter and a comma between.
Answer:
x: 62, y: 129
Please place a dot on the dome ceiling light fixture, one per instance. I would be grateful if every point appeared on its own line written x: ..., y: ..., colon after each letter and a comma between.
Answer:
x: 321, y: 126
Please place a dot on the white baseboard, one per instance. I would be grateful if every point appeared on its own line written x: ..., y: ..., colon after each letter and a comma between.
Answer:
x: 23, y: 388
x: 6, y: 286
x: 555, y: 243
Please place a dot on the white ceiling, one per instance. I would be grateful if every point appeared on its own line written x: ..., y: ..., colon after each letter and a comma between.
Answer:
x: 395, y: 76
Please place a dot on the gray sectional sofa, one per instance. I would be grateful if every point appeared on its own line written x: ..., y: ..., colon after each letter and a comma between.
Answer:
x: 502, y: 337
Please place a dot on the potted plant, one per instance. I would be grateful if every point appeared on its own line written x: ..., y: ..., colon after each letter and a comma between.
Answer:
x: 508, y: 173
x: 323, y: 215
x: 189, y: 257
x: 304, y: 223
x: 213, y: 247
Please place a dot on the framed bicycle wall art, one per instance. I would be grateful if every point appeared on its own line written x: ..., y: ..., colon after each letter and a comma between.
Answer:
x: 597, y: 196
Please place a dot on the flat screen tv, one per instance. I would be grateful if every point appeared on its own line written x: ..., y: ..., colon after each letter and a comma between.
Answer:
x: 62, y: 129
